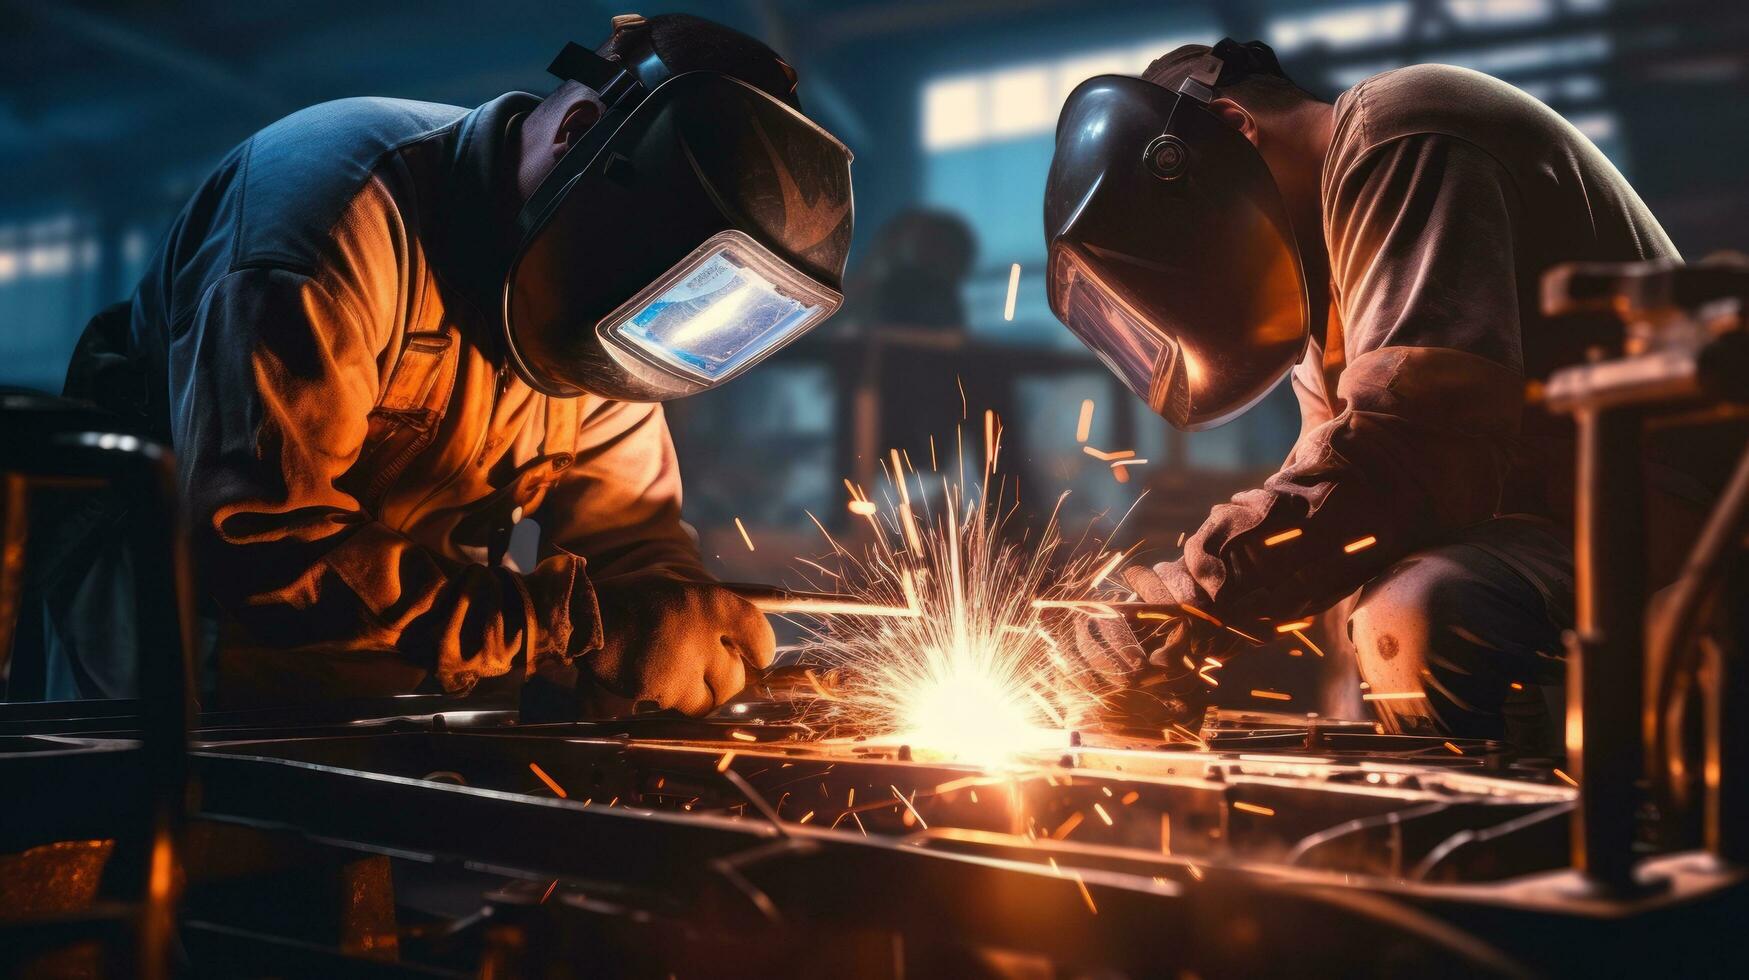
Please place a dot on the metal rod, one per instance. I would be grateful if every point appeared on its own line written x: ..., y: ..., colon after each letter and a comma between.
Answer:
x: 778, y: 601
x: 1727, y: 800
x: 1605, y: 676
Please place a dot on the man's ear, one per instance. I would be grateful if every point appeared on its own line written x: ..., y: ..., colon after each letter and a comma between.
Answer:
x: 581, y: 115
x: 1235, y: 115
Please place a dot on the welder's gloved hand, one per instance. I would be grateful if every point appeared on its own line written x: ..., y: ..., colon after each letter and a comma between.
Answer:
x: 1112, y: 663
x: 671, y: 644
x: 1182, y: 636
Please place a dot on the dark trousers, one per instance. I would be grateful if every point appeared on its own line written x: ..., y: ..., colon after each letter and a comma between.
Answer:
x: 1465, y: 638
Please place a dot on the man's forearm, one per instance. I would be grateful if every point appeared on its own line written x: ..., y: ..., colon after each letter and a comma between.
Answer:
x: 1420, y: 450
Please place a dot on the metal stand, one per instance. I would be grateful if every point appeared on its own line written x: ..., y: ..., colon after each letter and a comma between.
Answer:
x: 1604, y: 665
x: 53, y: 440
x: 1684, y: 355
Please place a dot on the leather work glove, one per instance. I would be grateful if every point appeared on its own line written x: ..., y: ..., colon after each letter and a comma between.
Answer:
x: 1143, y: 682
x: 1182, y: 636
x: 671, y: 644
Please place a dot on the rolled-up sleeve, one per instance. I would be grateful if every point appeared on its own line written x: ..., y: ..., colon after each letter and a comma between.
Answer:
x: 273, y: 380
x: 1420, y: 232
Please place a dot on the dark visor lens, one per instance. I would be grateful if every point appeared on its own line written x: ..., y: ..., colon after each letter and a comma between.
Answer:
x: 1121, y: 339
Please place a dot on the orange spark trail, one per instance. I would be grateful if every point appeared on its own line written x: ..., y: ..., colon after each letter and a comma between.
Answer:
x: 558, y: 791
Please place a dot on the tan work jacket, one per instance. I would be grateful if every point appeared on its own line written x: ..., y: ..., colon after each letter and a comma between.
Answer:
x: 318, y: 339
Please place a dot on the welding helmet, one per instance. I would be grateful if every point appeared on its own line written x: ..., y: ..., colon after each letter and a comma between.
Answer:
x: 698, y: 226
x: 1170, y: 251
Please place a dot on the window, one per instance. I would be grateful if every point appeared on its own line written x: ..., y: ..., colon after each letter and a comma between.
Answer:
x: 987, y: 136
x: 50, y: 284
x: 1020, y: 100
x: 1339, y: 27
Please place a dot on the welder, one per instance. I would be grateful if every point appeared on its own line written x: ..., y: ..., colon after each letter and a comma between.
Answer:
x: 411, y: 359
x: 1214, y: 228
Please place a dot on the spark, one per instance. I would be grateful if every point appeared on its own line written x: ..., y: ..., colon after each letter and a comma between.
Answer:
x: 1293, y: 627
x: 1120, y: 463
x: 1454, y: 748
x: 1084, y: 427
x: 1106, y: 457
x: 909, y: 522
x: 723, y: 763
x: 1203, y: 672
x: 1086, y: 896
x: 742, y: 736
x: 1360, y: 545
x: 854, y: 816
x: 1130, y: 797
x: 1165, y: 833
x: 1517, y: 686
x: 1091, y: 608
x: 558, y: 791
x: 1068, y: 826
x: 1395, y: 696
x: 1296, y: 652
x: 1120, y: 474
x: 744, y: 535
x: 972, y: 674
x: 1272, y: 695
x: 1282, y: 538
x: 1241, y: 634
x: 957, y: 784
x: 1108, y: 568
x: 1181, y: 537
x: 1303, y: 638
x: 909, y: 806
x: 1013, y: 291
x: 1253, y: 808
x: 549, y: 892
x: 1199, y: 614
x: 1102, y: 814
x: 806, y: 817
x: 989, y: 440
x: 863, y: 508
x: 1569, y: 780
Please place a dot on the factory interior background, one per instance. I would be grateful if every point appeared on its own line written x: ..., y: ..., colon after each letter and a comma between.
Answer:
x: 112, y: 111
